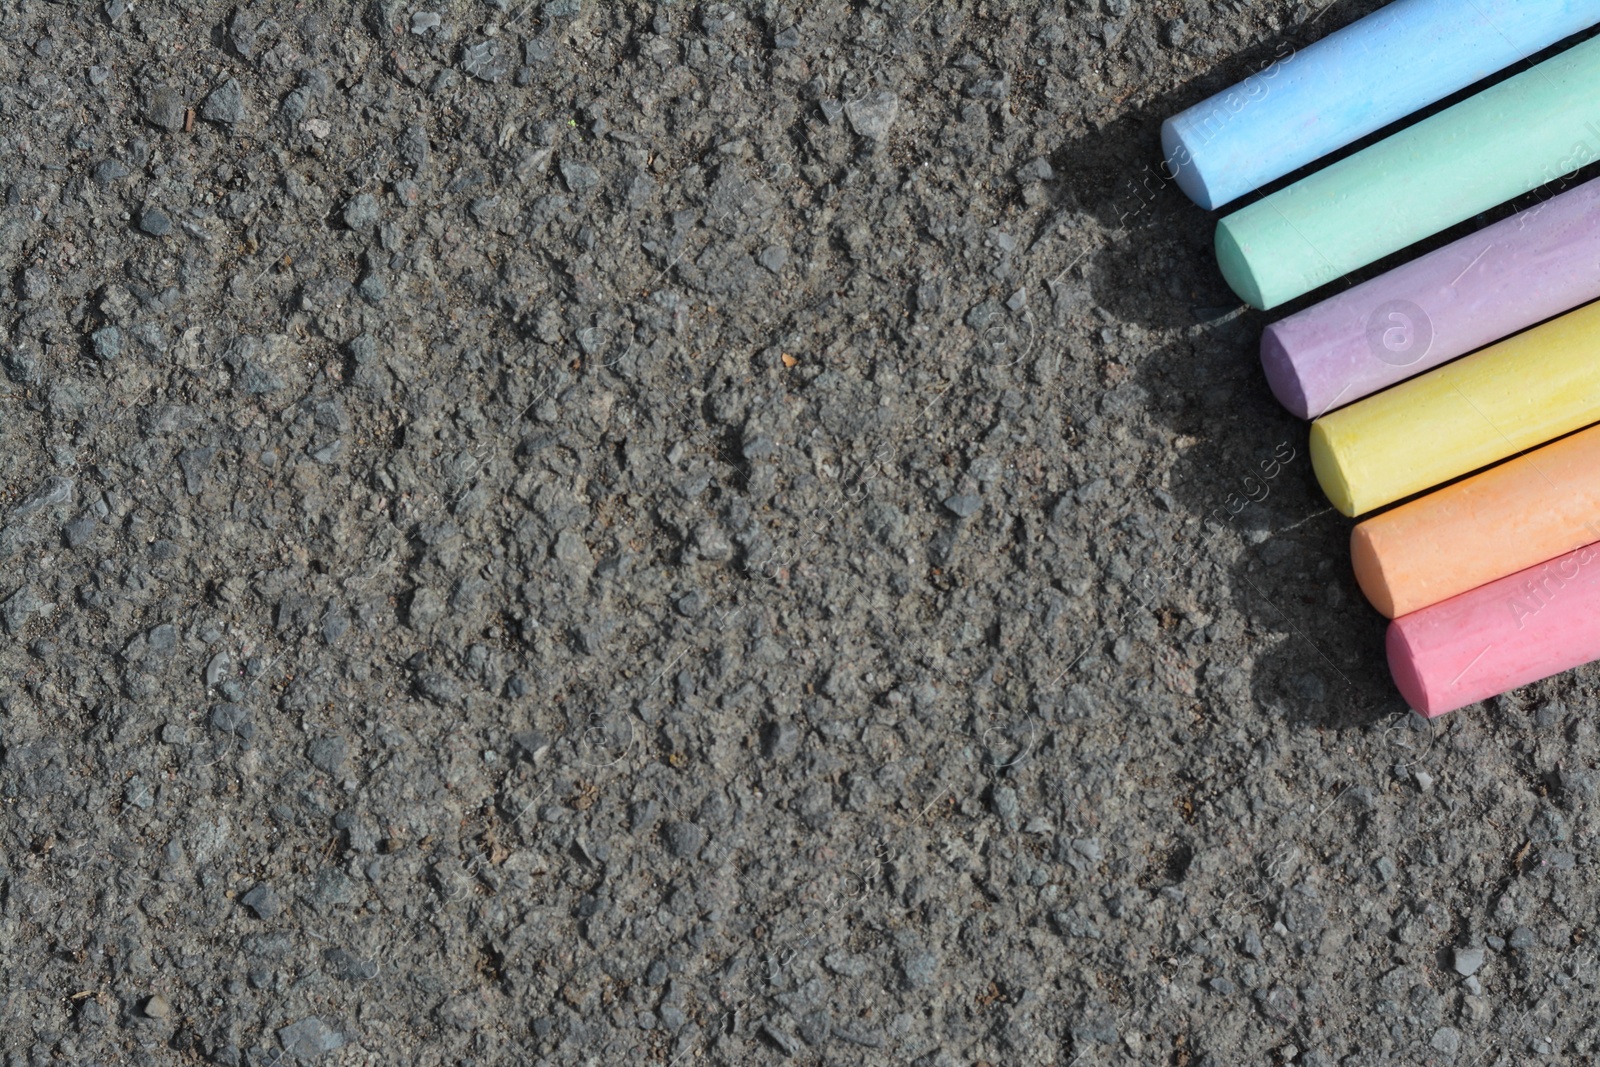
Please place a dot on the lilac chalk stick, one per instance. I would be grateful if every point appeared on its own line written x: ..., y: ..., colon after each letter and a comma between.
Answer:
x: 1484, y: 287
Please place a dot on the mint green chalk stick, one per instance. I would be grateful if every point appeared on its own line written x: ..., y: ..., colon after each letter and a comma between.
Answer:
x: 1525, y: 132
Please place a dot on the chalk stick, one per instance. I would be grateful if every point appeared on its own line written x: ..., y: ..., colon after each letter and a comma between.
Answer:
x: 1526, y: 390
x: 1300, y: 105
x: 1533, y: 508
x: 1516, y: 630
x: 1470, y: 293
x: 1517, y: 135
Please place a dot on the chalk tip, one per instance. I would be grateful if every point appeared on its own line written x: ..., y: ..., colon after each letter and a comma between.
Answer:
x: 1282, y: 375
x: 1429, y: 701
x: 1236, y: 268
x: 1370, y: 576
x: 1403, y: 668
x: 1178, y: 156
x: 1330, y: 472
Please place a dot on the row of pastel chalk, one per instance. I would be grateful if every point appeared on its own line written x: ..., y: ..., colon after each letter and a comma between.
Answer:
x: 1491, y: 578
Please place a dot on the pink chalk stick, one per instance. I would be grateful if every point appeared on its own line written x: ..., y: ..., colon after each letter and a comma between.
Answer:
x: 1486, y: 286
x: 1492, y: 639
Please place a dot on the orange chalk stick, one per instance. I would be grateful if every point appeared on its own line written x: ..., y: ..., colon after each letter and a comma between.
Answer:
x: 1525, y: 511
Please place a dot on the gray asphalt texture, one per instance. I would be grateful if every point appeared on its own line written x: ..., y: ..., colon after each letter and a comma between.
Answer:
x: 581, y: 533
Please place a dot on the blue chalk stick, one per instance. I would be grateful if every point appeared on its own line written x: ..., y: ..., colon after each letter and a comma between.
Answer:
x: 1301, y: 105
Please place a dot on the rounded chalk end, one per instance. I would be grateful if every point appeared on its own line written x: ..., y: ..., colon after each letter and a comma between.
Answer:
x: 1369, y: 571
x: 1236, y: 268
x: 1403, y: 667
x: 1181, y: 165
x: 1282, y: 374
x: 1330, y: 473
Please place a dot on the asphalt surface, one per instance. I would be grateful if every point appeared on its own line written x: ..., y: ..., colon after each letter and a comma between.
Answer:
x: 618, y: 533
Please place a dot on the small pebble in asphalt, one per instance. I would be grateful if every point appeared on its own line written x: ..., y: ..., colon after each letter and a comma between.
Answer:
x: 308, y: 1039
x: 262, y: 900
x: 872, y: 115
x: 166, y: 109
x: 154, y: 221
x: 361, y: 213
x: 107, y: 343
x: 225, y: 104
x: 963, y: 505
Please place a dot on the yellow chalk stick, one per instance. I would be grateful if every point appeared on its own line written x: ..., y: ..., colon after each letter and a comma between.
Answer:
x: 1511, y: 396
